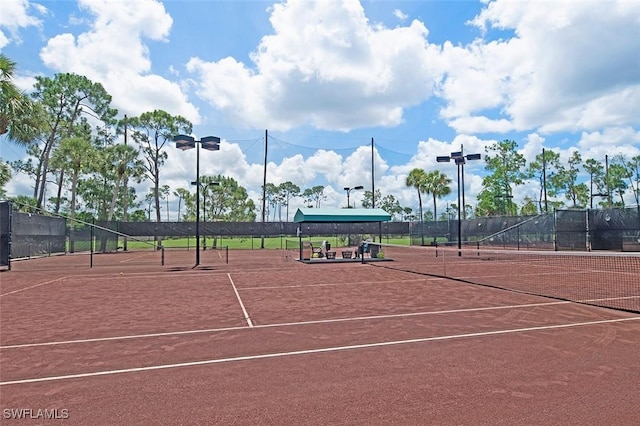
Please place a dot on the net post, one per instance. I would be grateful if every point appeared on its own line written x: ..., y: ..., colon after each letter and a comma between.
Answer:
x: 227, y: 254
x: 555, y: 230
x: 162, y: 255
x: 93, y: 223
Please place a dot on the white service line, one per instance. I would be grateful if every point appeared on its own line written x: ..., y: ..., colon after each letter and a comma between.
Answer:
x: 310, y: 351
x: 33, y: 286
x: 235, y: 290
x: 136, y: 257
x: 123, y: 337
x: 275, y: 287
x: 283, y: 324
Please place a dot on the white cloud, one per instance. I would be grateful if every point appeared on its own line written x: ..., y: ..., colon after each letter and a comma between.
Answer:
x: 329, y: 164
x: 112, y: 52
x: 533, y: 146
x: 481, y: 124
x: 570, y: 66
x: 425, y: 158
x: 24, y: 82
x: 560, y: 66
x: 400, y: 15
x: 324, y: 66
x: 475, y: 77
x: 15, y: 16
x: 609, y: 141
x: 555, y: 73
x: 324, y: 165
x: 3, y: 40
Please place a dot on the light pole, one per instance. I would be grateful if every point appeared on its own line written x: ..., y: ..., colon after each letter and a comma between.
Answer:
x: 459, y: 159
x: 204, y: 207
x: 210, y: 143
x: 346, y: 188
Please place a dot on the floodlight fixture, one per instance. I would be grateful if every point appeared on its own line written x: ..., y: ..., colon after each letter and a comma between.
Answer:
x: 184, y: 142
x: 349, y: 189
x: 460, y: 160
x: 210, y: 143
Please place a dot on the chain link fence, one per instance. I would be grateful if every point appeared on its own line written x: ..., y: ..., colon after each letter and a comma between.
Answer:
x: 564, y: 230
x: 26, y: 235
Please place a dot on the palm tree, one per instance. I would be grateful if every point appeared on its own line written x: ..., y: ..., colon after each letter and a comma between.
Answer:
x: 122, y: 161
x: 5, y: 176
x: 9, y: 94
x: 76, y: 155
x: 18, y: 115
x: 417, y: 178
x: 437, y: 184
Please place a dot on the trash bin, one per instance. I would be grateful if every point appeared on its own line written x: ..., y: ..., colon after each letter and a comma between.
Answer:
x: 328, y: 246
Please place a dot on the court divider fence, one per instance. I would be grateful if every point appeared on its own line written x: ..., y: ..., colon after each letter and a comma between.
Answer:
x: 32, y: 235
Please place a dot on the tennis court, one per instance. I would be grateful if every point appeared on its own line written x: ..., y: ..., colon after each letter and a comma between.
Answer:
x: 264, y: 339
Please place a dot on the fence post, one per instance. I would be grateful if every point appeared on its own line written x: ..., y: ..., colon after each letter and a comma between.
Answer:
x: 91, y: 242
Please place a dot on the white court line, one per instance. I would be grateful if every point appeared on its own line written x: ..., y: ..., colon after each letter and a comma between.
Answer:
x: 311, y: 351
x: 284, y: 324
x: 33, y: 286
x: 340, y: 284
x: 244, y: 311
x: 136, y: 257
x: 129, y: 337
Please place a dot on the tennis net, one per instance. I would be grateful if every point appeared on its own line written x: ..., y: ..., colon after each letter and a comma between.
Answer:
x: 609, y: 280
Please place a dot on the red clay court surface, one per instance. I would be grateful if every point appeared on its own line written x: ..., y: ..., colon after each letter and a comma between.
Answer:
x: 268, y: 340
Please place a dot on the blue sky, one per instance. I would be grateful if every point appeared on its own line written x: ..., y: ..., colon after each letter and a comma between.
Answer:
x: 324, y: 77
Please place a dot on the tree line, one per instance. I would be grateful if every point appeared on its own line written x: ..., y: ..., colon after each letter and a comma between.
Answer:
x: 558, y: 184
x: 70, y: 131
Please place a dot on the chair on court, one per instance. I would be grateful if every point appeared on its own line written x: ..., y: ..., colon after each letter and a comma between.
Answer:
x: 316, y: 252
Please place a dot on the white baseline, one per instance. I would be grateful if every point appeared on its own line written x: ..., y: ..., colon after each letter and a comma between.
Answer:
x: 309, y: 351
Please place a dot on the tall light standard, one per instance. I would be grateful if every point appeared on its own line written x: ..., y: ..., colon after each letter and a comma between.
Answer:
x: 346, y: 188
x: 459, y: 159
x: 210, y: 143
x: 204, y: 207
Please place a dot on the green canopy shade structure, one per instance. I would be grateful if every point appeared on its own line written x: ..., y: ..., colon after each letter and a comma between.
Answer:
x: 337, y: 216
x: 306, y: 215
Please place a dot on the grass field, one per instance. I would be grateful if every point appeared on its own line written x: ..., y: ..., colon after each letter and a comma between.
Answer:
x: 250, y: 242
